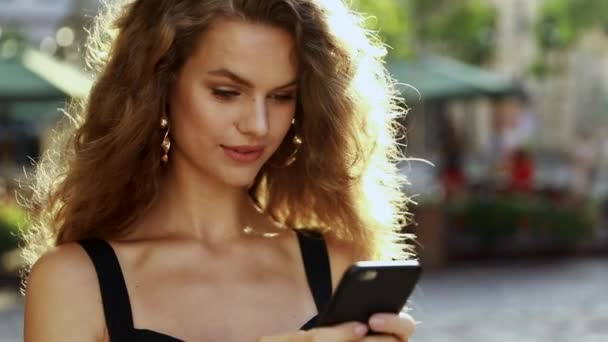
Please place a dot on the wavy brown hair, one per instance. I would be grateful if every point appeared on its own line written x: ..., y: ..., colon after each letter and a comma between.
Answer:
x: 107, y: 170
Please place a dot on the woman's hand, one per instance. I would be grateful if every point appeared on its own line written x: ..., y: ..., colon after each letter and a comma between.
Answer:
x: 393, y: 327
x: 346, y: 332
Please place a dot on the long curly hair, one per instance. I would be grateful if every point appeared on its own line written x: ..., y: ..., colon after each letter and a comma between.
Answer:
x: 105, y: 172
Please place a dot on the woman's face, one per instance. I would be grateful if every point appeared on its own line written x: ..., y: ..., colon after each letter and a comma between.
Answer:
x: 233, y: 101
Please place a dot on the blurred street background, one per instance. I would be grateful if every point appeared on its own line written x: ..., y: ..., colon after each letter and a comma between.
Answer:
x: 507, y: 130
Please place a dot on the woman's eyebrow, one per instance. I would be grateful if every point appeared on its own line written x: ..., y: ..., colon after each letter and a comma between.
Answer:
x: 292, y: 83
x: 223, y: 72
x: 232, y: 76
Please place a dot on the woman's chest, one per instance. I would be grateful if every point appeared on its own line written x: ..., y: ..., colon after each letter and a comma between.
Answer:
x: 217, y: 307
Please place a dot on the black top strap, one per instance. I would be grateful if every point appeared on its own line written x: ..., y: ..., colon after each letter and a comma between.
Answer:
x: 317, y: 266
x: 114, y: 293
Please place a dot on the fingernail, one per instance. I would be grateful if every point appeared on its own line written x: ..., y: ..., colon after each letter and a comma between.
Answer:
x: 361, y: 329
x: 377, y: 321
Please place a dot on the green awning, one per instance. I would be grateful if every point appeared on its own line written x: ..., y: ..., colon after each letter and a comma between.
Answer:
x: 35, y: 86
x: 34, y: 110
x: 17, y: 82
x: 72, y: 81
x: 439, y: 78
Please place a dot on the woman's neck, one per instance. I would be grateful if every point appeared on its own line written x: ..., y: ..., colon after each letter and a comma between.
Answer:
x: 192, y: 205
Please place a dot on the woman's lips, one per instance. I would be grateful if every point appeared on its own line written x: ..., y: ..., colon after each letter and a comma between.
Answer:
x: 243, y: 153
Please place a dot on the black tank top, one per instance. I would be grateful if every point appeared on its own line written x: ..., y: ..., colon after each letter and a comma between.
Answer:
x: 117, y: 306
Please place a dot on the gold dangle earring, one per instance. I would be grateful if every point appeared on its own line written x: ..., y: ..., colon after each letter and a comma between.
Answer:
x: 297, y: 142
x: 166, y: 144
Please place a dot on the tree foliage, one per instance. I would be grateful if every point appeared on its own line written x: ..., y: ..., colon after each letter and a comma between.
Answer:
x: 561, y: 22
x: 560, y: 25
x: 392, y: 21
x: 463, y: 29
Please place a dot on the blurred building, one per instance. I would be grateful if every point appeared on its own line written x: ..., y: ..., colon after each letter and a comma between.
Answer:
x: 564, y: 102
x: 57, y: 27
x: 515, y: 42
x: 35, y: 18
x: 544, y: 115
x: 38, y: 19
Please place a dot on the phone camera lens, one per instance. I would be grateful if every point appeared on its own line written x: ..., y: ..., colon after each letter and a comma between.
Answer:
x: 369, y: 275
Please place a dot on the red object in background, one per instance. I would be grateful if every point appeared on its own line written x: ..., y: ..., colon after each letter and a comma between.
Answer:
x: 453, y: 181
x: 521, y: 172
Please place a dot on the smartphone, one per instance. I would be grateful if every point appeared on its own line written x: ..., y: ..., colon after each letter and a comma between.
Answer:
x: 370, y: 287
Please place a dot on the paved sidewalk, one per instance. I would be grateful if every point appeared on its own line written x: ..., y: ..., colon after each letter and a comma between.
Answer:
x: 560, y: 301
x: 11, y: 316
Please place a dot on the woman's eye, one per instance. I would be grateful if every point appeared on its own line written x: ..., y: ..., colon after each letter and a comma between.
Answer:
x: 283, y: 97
x: 225, y: 94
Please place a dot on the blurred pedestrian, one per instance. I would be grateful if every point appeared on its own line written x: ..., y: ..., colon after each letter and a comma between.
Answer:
x: 602, y: 175
x: 232, y: 157
x: 521, y: 172
x: 583, y: 164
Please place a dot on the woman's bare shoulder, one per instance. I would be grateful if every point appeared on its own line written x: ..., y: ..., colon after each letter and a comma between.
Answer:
x: 62, y: 300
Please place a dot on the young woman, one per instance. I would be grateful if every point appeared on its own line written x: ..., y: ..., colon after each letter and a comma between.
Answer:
x: 233, y: 158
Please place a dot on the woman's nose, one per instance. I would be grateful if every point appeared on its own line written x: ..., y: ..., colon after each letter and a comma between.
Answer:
x: 255, y: 120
